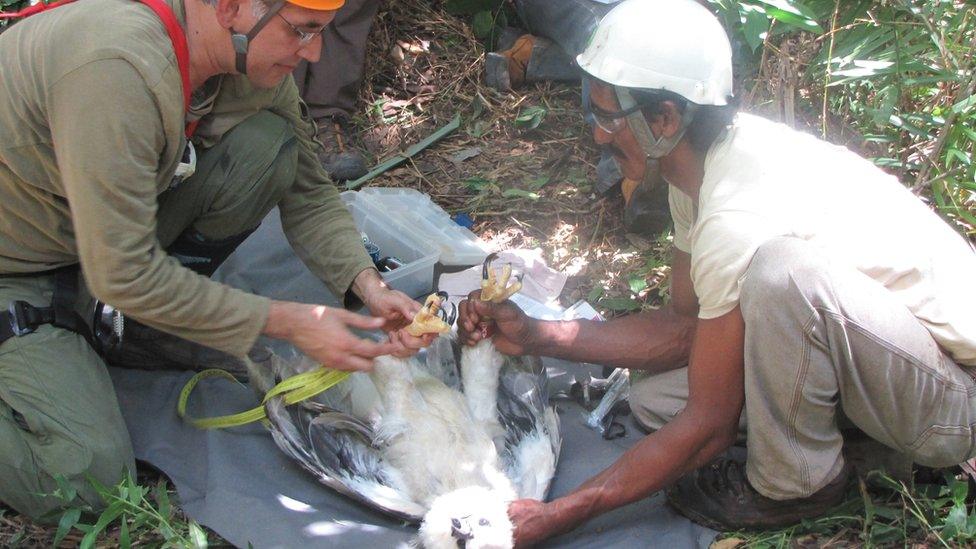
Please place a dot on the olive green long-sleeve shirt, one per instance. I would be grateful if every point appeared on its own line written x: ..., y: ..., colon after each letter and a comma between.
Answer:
x: 91, y: 131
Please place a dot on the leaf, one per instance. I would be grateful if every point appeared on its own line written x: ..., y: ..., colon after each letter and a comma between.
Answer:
x: 620, y: 304
x: 140, y: 520
x: 136, y: 493
x: 959, y: 490
x: 124, y: 541
x: 537, y: 183
x: 965, y: 104
x: 482, y: 24
x: 531, y: 117
x: 197, y: 536
x: 477, y: 106
x: 161, y: 495
x: 411, y: 151
x: 100, y: 488
x: 478, y: 129
x: 471, y: 7
x: 755, y: 27
x: 883, y: 534
x: 111, y: 513
x: 519, y: 193
x: 887, y: 512
x: 788, y: 13
x: 971, y: 525
x: 637, y: 284
x: 66, y: 492
x: 955, y: 521
x: 595, y: 294
x: 167, y: 532
x: 67, y: 522
x: 476, y: 183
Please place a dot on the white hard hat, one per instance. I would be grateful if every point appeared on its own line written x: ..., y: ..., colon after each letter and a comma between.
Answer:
x: 674, y: 45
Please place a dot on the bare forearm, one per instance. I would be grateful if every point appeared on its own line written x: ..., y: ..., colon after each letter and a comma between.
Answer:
x: 282, y: 318
x: 708, y: 425
x: 366, y: 282
x: 655, y: 340
x: 654, y: 463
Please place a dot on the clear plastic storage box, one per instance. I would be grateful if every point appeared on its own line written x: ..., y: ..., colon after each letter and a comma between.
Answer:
x: 421, y: 217
x: 385, y: 229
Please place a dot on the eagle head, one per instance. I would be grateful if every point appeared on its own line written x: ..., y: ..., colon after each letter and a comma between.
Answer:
x: 468, y: 518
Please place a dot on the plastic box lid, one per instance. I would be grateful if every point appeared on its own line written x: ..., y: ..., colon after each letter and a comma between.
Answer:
x: 419, y: 215
x: 416, y: 277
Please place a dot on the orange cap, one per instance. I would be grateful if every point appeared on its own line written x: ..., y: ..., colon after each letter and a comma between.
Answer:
x: 321, y: 5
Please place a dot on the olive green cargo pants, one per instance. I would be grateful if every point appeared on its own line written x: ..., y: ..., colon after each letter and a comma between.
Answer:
x: 824, y: 339
x: 58, y: 411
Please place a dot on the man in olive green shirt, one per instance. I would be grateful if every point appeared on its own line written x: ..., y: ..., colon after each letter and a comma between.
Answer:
x: 92, y: 123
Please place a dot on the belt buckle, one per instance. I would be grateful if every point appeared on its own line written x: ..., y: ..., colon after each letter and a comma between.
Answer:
x: 20, y: 321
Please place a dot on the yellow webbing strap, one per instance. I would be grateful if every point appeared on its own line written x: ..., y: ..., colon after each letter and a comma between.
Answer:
x: 294, y: 389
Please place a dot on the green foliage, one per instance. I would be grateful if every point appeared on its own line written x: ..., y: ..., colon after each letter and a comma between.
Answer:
x: 753, y: 20
x: 13, y: 5
x: 901, y: 73
x: 531, y: 117
x: 487, y: 17
x: 137, y: 511
x: 883, y: 511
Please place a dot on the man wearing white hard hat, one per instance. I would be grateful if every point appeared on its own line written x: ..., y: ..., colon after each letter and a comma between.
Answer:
x: 807, y: 286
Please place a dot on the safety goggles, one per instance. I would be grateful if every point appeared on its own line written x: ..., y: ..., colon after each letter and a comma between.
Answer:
x: 612, y: 122
x: 304, y: 37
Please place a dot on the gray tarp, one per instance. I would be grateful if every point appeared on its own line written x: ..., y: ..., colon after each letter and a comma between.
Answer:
x: 239, y: 484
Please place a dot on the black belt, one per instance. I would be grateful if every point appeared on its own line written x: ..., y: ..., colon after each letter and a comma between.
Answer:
x: 21, y: 318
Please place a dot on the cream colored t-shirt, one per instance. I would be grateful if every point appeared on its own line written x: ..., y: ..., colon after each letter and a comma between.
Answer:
x: 765, y: 180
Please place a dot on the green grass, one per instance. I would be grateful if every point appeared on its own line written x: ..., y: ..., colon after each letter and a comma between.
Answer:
x: 131, y: 515
x: 899, y: 73
x: 881, y: 512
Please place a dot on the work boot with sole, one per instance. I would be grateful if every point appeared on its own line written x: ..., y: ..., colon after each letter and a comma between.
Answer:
x: 720, y: 497
x: 608, y: 173
x: 646, y: 209
x: 529, y: 59
x: 343, y: 162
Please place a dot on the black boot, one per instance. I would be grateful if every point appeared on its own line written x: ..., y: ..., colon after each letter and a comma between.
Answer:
x: 342, y: 161
x: 647, y: 212
x: 720, y: 497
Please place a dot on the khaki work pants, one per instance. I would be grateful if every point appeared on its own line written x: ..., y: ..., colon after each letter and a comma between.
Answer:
x: 58, y: 410
x: 824, y: 340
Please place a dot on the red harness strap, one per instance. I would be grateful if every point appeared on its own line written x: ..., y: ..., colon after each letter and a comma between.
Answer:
x: 31, y: 10
x: 173, y: 28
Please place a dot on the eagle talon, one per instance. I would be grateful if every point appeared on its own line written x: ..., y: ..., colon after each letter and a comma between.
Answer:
x: 447, y: 317
x: 431, y: 318
x: 494, y: 287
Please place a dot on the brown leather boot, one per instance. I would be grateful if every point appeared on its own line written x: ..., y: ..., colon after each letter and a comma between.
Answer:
x: 343, y: 162
x: 720, y: 497
x: 530, y: 59
x: 505, y: 70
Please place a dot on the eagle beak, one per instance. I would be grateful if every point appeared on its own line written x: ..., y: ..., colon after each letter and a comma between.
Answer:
x: 462, y: 536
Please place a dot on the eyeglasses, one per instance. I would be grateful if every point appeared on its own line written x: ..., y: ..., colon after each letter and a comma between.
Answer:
x: 612, y: 122
x: 304, y: 37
